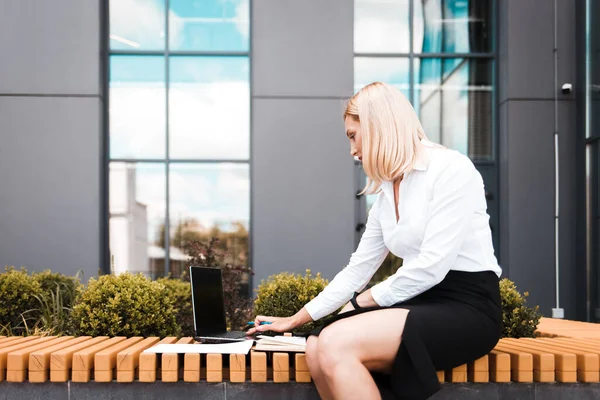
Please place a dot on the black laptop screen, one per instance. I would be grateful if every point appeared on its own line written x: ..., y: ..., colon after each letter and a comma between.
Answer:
x: 207, y: 295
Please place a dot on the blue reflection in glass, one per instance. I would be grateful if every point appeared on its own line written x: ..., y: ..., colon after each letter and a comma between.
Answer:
x: 452, y: 26
x: 137, y: 107
x: 209, y: 25
x: 453, y: 101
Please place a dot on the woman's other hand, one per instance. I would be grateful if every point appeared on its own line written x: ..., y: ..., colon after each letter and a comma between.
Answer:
x: 277, y: 324
x: 280, y: 324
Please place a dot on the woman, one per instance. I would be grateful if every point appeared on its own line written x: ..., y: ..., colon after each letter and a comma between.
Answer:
x: 441, y: 309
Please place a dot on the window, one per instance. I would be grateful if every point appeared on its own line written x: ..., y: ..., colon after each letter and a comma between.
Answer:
x: 440, y: 54
x: 179, y: 122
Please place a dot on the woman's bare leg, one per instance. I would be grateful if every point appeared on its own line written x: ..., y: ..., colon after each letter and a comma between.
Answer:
x: 314, y: 367
x: 349, y: 349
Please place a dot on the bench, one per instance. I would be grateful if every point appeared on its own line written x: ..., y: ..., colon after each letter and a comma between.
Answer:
x: 564, y: 357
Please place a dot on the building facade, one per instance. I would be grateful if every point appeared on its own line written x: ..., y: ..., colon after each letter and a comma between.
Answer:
x: 131, y: 126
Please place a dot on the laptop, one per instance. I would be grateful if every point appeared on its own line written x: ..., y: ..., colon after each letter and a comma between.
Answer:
x: 208, y: 307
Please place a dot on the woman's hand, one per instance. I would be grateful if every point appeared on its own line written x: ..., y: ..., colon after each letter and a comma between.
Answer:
x: 278, y: 324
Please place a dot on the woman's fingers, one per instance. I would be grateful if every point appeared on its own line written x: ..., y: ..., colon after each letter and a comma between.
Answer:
x: 258, y: 327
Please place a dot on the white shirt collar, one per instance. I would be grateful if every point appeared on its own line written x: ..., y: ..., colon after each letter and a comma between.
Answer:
x: 422, y: 161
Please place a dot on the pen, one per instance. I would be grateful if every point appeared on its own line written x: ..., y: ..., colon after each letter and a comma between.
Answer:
x: 251, y: 323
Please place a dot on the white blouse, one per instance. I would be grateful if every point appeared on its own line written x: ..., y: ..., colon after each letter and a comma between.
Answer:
x: 443, y: 225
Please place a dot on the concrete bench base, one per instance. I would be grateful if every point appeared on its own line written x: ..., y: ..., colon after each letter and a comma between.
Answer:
x: 269, y: 390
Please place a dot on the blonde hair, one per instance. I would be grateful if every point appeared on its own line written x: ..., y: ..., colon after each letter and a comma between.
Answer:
x: 391, y: 133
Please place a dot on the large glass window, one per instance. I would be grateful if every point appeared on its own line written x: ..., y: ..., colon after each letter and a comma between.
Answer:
x: 179, y: 122
x: 440, y: 54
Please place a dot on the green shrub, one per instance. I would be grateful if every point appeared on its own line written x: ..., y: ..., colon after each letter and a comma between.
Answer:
x: 518, y: 319
x: 125, y: 305
x: 18, y: 292
x: 69, y: 286
x: 284, y: 294
x: 181, y: 295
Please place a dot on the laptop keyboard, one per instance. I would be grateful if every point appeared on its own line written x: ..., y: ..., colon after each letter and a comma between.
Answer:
x: 232, y: 335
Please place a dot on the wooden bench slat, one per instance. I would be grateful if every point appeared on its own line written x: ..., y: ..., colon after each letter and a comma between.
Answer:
x: 128, y: 359
x: 564, y: 366
x: 105, y: 360
x: 258, y: 366
x: 542, y: 360
x: 83, y: 360
x: 237, y: 367
x: 478, y: 370
x: 147, y: 362
x: 170, y: 363
x: 521, y: 364
x: 281, y: 367
x: 8, y: 341
x: 301, y: 368
x: 457, y: 374
x: 17, y: 345
x: 588, y: 362
x: 191, y: 367
x: 18, y: 360
x: 61, y: 361
x: 214, y: 368
x: 39, y: 361
x: 499, y: 366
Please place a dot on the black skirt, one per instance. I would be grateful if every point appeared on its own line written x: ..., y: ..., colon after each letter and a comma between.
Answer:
x: 455, y: 322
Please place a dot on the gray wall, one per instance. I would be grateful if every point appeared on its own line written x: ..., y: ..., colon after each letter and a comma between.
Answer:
x: 50, y: 135
x: 302, y: 175
x: 526, y: 128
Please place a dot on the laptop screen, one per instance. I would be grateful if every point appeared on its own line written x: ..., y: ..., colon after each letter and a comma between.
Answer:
x: 207, y: 297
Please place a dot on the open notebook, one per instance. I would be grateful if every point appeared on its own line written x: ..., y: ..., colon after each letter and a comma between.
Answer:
x: 280, y: 343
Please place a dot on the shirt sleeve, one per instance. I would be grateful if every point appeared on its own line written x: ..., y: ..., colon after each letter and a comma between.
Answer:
x: 363, y: 264
x: 450, y: 216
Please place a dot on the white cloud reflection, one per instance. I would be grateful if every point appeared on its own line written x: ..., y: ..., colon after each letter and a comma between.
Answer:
x: 381, y: 26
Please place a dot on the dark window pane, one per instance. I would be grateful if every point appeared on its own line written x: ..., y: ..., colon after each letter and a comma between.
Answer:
x: 453, y: 98
x: 209, y: 25
x: 137, y: 24
x: 452, y: 26
x: 381, y: 26
x: 394, y: 71
x: 137, y: 107
x: 137, y: 217
x: 209, y: 108
x: 209, y: 200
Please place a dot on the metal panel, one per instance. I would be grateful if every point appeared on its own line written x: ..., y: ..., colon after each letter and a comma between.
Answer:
x: 50, y: 170
x: 303, y: 194
x: 302, y: 48
x: 53, y: 47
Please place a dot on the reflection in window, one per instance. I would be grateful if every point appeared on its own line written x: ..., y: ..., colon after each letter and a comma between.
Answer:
x: 381, y: 26
x: 209, y: 25
x: 163, y: 129
x: 137, y: 24
x: 137, y: 212
x: 394, y: 71
x: 137, y: 107
x: 452, y: 26
x: 209, y: 108
x: 209, y: 200
x: 453, y: 98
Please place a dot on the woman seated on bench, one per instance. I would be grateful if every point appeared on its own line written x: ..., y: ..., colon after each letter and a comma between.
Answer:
x: 441, y: 309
